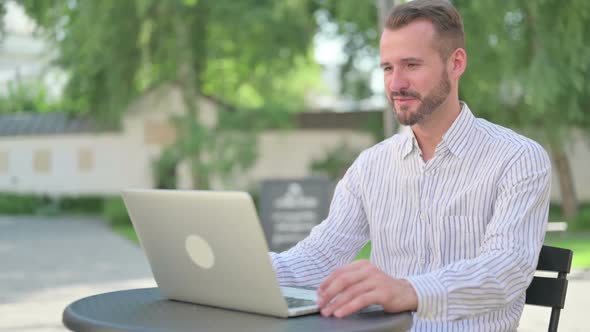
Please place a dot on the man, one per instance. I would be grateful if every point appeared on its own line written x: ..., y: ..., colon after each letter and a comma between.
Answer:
x: 455, y: 210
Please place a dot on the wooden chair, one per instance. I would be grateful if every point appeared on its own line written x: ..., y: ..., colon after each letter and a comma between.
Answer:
x: 550, y: 292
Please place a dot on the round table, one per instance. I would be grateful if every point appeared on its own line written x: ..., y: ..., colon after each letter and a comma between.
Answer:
x: 147, y: 310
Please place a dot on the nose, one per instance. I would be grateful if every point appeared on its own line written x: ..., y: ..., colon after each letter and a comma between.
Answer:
x: 396, y: 81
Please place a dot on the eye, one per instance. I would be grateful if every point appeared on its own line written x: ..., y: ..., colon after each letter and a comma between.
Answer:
x: 412, y: 65
x: 387, y: 69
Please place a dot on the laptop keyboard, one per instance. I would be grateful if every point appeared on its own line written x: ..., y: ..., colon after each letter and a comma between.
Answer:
x: 296, y: 303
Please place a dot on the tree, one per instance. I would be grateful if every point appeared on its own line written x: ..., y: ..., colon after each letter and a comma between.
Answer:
x: 530, y: 63
x: 360, y: 24
x: 356, y: 22
x: 26, y: 97
x: 2, y: 13
x: 250, y: 57
x: 528, y: 66
x: 384, y: 7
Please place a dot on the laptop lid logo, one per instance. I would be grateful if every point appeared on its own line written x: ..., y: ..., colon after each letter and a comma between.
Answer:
x: 199, y: 251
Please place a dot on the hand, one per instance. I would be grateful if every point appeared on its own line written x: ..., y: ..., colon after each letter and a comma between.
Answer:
x: 357, y: 285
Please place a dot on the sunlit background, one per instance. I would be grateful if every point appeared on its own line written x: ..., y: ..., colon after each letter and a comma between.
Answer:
x: 98, y: 96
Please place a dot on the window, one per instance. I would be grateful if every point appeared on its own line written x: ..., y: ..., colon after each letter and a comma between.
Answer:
x: 85, y: 160
x: 42, y: 161
x: 4, y: 162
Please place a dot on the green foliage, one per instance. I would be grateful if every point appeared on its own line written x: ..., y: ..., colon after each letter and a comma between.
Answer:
x: 100, y: 57
x: 127, y: 231
x: 529, y: 63
x: 255, y: 197
x: 28, y: 97
x: 164, y: 169
x: 555, y: 212
x: 81, y: 204
x: 21, y: 204
x: 115, y: 212
x: 247, y: 56
x: 581, y: 221
x: 365, y: 252
x: 528, y: 60
x: 45, y: 205
x: 228, y: 147
x: 259, y: 53
x: 113, y: 209
x: 244, y: 53
x: 375, y: 126
x: 578, y: 242
x: 335, y: 162
x: 2, y: 12
x: 356, y: 22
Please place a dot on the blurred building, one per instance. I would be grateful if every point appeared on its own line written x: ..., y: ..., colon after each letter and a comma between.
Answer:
x: 54, y: 154
x: 58, y: 155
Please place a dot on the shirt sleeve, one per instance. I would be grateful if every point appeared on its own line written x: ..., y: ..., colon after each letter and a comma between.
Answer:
x: 508, y: 257
x: 331, y: 244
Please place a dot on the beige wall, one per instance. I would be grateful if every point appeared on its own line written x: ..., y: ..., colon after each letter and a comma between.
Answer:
x: 106, y: 163
x: 50, y: 164
x: 289, y: 154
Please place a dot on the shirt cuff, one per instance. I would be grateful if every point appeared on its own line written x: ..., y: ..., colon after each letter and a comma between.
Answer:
x: 432, y: 296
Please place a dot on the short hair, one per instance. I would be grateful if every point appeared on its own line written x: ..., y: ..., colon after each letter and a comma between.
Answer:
x: 441, y: 13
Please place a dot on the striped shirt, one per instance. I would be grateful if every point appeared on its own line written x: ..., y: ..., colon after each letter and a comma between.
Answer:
x: 464, y: 228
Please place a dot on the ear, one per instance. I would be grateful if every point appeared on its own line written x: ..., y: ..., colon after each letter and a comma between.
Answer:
x: 457, y: 63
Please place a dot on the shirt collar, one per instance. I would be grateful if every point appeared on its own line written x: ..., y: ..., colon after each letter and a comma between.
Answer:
x: 455, y: 139
x: 457, y: 136
x: 409, y: 143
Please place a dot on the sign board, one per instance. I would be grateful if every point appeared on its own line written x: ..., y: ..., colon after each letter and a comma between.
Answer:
x: 291, y: 208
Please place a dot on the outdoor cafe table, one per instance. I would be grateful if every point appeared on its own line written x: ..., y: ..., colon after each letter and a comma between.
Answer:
x: 147, y: 310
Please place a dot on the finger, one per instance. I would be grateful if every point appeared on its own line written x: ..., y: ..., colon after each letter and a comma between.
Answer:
x: 346, y: 296
x: 340, y: 283
x: 357, y: 303
x: 344, y: 269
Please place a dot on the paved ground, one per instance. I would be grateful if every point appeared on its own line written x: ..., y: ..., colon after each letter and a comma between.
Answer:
x: 46, y: 263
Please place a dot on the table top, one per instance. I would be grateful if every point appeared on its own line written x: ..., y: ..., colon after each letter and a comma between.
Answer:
x: 147, y: 310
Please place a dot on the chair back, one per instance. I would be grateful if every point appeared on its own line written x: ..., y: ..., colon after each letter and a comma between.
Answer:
x: 550, y: 292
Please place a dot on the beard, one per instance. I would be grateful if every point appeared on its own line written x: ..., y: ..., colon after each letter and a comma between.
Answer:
x: 428, y: 104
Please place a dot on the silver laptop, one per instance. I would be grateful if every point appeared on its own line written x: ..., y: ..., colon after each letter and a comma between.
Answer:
x: 207, y: 247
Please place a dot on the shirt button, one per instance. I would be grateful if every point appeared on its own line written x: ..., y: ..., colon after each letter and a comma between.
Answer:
x: 422, y: 261
x: 422, y: 216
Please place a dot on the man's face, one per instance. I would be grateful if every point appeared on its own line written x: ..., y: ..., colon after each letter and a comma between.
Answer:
x: 415, y: 76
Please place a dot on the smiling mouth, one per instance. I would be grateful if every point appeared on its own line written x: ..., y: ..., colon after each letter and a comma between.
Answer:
x: 404, y: 100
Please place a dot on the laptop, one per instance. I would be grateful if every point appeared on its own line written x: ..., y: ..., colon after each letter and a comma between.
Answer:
x: 208, y: 247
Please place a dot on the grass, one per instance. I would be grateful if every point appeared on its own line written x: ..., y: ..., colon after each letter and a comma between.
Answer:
x: 127, y: 232
x: 579, y: 242
x: 365, y: 252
